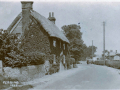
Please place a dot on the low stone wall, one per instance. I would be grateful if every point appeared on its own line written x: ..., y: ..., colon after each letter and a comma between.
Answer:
x: 113, y: 63
x: 110, y: 63
x: 25, y: 73
x: 99, y: 62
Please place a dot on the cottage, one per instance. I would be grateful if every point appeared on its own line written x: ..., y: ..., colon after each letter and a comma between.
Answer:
x: 117, y: 56
x: 113, y: 55
x: 39, y: 33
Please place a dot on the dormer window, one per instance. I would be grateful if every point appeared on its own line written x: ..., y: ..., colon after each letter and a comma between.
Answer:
x: 64, y: 46
x: 54, y: 43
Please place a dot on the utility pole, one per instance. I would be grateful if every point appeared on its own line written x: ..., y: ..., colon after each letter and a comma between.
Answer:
x: 104, y: 41
x: 92, y: 49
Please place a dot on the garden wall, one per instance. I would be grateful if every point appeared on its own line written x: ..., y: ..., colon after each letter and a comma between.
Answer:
x: 25, y: 73
x: 99, y: 62
x: 113, y: 63
x: 110, y: 63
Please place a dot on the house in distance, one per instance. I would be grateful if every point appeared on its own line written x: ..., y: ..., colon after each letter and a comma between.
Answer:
x: 39, y: 33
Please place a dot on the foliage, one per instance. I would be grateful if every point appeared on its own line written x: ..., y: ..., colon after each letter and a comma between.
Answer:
x: 78, y: 62
x: 35, y: 58
x: 69, y: 61
x: 74, y: 35
x: 13, y: 56
x: 88, y: 51
x: 54, y: 69
x: 77, y: 48
x: 16, y: 60
x: 74, y: 66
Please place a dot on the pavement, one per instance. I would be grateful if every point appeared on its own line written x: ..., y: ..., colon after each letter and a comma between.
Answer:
x: 84, y: 77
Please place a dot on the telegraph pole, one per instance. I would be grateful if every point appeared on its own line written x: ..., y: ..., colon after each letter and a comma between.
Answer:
x: 92, y: 49
x: 104, y: 41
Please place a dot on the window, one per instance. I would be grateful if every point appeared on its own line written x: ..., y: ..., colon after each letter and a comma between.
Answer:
x: 60, y: 44
x: 18, y: 35
x: 54, y: 43
x: 64, y: 46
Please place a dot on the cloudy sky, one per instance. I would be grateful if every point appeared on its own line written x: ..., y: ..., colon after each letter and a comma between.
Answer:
x: 90, y: 15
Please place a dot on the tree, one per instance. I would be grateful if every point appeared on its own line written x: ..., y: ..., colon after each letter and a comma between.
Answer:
x: 72, y: 32
x: 89, y: 51
x: 77, y: 48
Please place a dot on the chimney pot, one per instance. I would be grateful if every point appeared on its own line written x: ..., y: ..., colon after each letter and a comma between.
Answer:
x: 52, y: 18
x: 27, y: 4
x: 52, y: 14
x: 49, y: 14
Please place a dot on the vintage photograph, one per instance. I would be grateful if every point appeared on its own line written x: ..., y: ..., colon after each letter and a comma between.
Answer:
x: 59, y: 44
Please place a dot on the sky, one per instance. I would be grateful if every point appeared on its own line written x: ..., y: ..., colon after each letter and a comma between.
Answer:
x: 90, y: 14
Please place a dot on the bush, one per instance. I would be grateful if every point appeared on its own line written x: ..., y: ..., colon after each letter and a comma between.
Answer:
x: 16, y: 60
x: 74, y: 66
x: 54, y: 68
x: 35, y: 58
x: 69, y: 67
x: 78, y: 62
x: 51, y: 70
x: 69, y: 61
x: 72, y: 61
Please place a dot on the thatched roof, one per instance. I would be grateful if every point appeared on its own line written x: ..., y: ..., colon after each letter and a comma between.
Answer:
x: 50, y: 27
x: 14, y: 22
x: 112, y: 54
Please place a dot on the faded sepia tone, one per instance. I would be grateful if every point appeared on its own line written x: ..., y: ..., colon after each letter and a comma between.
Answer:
x: 59, y: 45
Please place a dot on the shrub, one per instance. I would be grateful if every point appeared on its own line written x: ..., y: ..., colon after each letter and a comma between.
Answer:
x: 78, y: 62
x: 35, y: 58
x: 51, y: 70
x: 69, y: 67
x: 72, y: 61
x: 69, y: 61
x: 54, y: 68
x: 74, y: 66
x: 16, y: 60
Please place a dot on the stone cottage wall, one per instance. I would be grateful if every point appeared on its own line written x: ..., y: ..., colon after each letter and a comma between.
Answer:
x: 36, y: 39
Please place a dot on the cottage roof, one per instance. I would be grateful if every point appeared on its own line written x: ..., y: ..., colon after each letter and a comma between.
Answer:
x: 117, y: 53
x: 112, y: 54
x: 49, y: 26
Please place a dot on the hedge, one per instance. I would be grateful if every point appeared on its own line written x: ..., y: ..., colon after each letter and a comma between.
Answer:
x: 16, y: 60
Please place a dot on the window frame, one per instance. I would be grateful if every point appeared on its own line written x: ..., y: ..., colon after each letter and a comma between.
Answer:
x: 64, y: 46
x: 54, y: 42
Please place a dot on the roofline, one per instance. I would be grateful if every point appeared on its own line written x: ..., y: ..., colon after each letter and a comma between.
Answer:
x: 15, y: 25
x: 58, y: 38
x: 49, y: 34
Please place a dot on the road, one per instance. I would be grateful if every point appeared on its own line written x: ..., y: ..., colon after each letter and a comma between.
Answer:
x: 91, y: 77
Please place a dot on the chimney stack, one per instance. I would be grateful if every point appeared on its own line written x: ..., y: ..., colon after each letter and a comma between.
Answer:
x: 116, y: 51
x: 26, y: 7
x: 52, y: 18
x: 27, y: 4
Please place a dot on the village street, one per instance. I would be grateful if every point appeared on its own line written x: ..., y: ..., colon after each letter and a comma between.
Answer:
x: 84, y: 77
